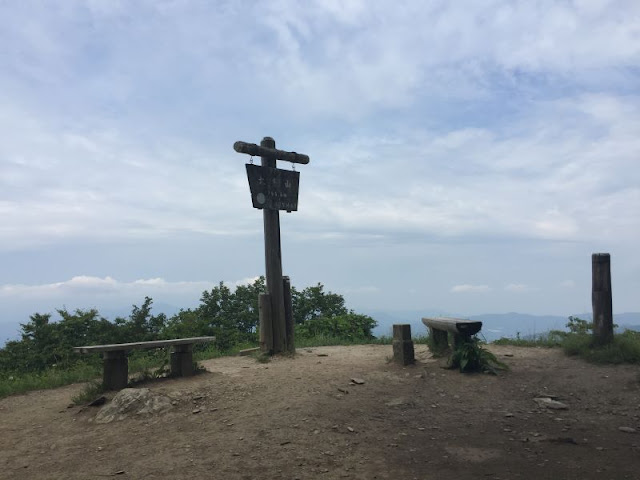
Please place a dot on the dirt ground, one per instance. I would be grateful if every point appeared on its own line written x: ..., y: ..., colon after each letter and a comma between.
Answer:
x: 303, y: 418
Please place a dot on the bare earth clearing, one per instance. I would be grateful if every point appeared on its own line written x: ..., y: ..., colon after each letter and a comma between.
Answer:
x: 300, y: 418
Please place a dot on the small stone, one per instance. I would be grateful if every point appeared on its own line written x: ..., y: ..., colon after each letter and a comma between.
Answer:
x: 627, y: 429
x: 323, y: 355
x: 508, y: 415
x: 549, y: 403
x: 196, y: 410
x: 358, y: 381
x: 350, y: 429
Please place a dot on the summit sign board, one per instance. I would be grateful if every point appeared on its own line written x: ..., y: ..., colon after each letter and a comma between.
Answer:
x: 273, y: 188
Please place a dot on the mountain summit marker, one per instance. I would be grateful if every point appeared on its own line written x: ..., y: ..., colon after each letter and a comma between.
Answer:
x: 273, y: 189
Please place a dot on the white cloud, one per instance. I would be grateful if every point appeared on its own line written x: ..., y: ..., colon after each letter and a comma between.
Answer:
x: 83, y: 286
x: 466, y: 288
x: 517, y: 287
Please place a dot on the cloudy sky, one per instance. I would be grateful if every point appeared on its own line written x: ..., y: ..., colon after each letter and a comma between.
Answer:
x: 466, y: 157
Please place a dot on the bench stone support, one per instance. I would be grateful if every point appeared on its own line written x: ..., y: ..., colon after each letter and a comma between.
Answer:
x: 116, y: 366
x: 440, y: 338
x: 182, y: 361
x: 403, y: 352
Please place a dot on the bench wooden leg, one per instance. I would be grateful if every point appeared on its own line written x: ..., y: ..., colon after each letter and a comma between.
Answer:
x: 116, y: 370
x: 440, y: 338
x: 182, y: 361
x: 403, y: 352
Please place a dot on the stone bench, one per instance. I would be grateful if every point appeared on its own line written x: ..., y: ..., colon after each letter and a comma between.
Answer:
x: 116, y: 363
x: 440, y: 327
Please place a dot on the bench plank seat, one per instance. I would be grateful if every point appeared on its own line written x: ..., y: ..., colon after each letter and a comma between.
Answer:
x: 143, y: 345
x: 459, y: 326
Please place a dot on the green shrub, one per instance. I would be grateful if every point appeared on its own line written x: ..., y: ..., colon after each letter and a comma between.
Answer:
x: 469, y: 355
x: 350, y: 326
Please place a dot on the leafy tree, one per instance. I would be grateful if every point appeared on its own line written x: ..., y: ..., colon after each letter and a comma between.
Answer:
x: 313, y: 302
x: 351, y: 326
x: 141, y: 326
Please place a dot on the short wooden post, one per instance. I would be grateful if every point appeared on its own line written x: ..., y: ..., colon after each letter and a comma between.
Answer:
x: 273, y: 262
x: 182, y: 361
x: 288, y: 315
x: 116, y: 370
x: 440, y: 338
x: 266, y: 332
x: 403, y: 352
x: 601, y: 298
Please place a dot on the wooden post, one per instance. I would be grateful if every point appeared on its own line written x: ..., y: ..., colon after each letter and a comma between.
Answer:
x: 266, y: 330
x: 116, y: 370
x: 288, y: 315
x: 403, y: 352
x: 273, y: 261
x: 601, y: 298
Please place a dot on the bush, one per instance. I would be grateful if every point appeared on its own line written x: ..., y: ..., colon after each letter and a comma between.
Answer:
x: 351, y: 326
x: 468, y: 355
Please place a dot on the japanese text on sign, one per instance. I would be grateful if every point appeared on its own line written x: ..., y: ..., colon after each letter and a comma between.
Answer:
x: 272, y: 188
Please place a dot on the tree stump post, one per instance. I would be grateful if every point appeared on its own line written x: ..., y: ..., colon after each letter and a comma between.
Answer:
x: 403, y: 352
x: 288, y: 315
x: 601, y: 298
x: 266, y: 332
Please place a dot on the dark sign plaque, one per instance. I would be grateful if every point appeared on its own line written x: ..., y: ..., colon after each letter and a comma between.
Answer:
x: 272, y: 188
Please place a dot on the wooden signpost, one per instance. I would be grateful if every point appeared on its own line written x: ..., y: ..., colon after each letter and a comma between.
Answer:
x: 272, y: 190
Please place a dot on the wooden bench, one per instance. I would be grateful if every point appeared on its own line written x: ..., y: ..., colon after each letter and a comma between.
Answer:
x: 440, y: 327
x: 116, y: 365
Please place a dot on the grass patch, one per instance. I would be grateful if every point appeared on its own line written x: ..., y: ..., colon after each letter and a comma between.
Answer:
x: 552, y: 339
x: 89, y: 393
x: 625, y: 348
x: 13, y: 383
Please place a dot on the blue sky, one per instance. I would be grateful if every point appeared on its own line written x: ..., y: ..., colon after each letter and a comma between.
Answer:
x: 466, y: 157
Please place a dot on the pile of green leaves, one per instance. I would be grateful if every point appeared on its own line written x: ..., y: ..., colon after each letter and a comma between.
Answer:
x: 469, y: 355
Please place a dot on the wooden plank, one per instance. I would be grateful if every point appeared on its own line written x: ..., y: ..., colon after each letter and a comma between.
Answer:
x: 142, y: 345
x: 269, y: 151
x: 248, y: 351
x: 459, y: 326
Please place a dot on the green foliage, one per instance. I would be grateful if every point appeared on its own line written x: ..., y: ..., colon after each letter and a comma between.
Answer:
x: 579, y: 326
x: 551, y: 339
x: 312, y: 303
x: 625, y: 348
x: 579, y: 341
x: 469, y: 355
x: 12, y: 383
x: 231, y: 316
x: 350, y: 326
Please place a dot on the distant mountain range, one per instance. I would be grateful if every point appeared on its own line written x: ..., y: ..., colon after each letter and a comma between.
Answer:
x: 495, y: 325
